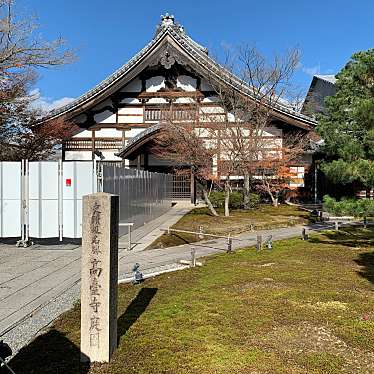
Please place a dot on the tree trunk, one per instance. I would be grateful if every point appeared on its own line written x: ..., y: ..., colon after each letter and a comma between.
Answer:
x: 227, y: 197
x: 367, y: 192
x: 208, y: 202
x: 274, y: 197
x: 246, y: 192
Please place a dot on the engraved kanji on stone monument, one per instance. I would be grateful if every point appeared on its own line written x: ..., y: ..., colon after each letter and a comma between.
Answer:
x: 99, y: 277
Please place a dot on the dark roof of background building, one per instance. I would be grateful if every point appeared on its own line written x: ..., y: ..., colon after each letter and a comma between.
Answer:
x: 321, y: 87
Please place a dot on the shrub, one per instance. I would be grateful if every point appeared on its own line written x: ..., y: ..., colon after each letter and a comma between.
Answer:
x: 217, y: 198
x: 254, y: 199
x: 236, y: 200
x: 350, y: 207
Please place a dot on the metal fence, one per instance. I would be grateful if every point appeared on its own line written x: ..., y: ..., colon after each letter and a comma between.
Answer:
x: 144, y: 196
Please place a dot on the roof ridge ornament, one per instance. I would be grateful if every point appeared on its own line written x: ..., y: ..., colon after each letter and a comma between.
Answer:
x: 168, y: 21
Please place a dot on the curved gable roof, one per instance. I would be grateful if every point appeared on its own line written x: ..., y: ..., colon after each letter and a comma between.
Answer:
x: 198, y: 55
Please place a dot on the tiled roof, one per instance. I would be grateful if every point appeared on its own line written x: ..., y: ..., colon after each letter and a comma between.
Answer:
x: 327, y: 78
x: 199, y: 55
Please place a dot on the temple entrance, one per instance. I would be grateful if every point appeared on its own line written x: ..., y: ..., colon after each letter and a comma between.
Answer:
x: 139, y: 156
x: 181, y: 187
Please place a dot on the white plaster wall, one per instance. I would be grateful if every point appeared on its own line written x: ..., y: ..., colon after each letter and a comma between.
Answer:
x: 108, y: 133
x: 186, y: 83
x: 204, y: 133
x: 155, y: 83
x: 211, y: 109
x: 83, y: 134
x: 134, y: 110
x: 157, y: 100
x: 130, y: 119
x: 272, y: 131
x: 206, y: 118
x: 210, y: 99
x: 134, y: 86
x: 210, y: 143
x: 105, y: 117
x: 299, y: 173
x: 230, y: 117
x: 109, y: 155
x: 129, y: 100
x: 273, y: 142
x: 78, y: 155
x: 133, y: 132
x: 184, y: 100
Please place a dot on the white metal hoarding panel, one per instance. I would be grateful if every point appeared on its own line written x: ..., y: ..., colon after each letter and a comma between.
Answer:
x: 43, y: 199
x: 85, y: 179
x: 10, y: 199
x: 69, y: 222
x: 79, y: 179
x: 69, y: 202
x: 34, y: 200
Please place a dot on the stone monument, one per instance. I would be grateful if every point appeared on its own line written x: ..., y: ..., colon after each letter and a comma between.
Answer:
x: 99, y: 277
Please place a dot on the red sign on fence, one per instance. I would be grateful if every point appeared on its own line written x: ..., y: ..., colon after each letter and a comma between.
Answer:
x: 68, y: 182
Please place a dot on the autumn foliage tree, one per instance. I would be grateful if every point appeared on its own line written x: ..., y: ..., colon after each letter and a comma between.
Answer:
x: 181, y: 143
x: 274, y: 167
x: 22, y: 52
x: 249, y: 87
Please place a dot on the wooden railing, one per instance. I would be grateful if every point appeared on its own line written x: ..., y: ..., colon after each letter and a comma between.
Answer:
x: 78, y: 144
x: 87, y: 144
x: 108, y: 143
x: 159, y: 113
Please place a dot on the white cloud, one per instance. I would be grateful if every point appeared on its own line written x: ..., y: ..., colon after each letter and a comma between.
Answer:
x: 312, y: 70
x: 47, y: 104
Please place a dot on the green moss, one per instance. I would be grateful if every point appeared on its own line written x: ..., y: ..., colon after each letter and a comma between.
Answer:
x: 305, y: 307
x: 261, y: 217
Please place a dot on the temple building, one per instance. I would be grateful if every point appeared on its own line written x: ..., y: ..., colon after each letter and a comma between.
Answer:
x: 321, y: 87
x: 119, y: 117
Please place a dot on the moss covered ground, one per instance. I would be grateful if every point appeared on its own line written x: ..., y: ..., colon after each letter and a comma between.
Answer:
x: 261, y: 217
x: 305, y: 307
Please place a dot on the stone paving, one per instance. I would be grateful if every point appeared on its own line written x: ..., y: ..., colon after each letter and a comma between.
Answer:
x: 37, y: 284
x: 33, y: 278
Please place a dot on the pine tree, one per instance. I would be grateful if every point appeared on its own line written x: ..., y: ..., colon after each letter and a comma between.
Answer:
x: 348, y: 125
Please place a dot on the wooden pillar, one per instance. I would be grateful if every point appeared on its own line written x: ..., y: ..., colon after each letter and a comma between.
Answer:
x: 193, y: 188
x: 146, y: 160
x: 93, y: 146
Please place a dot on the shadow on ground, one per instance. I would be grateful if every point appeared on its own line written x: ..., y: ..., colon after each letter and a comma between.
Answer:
x: 353, y: 238
x: 366, y: 261
x: 348, y: 236
x: 49, y: 353
x: 135, y: 310
x: 53, y: 352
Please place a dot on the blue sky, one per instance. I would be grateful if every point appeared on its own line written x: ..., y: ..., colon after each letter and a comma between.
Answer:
x: 108, y: 33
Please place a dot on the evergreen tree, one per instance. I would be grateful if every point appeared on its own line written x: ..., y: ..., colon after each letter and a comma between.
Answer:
x: 348, y: 125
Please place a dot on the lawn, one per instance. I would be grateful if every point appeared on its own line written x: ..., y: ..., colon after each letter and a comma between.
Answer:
x: 261, y: 217
x: 305, y: 307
